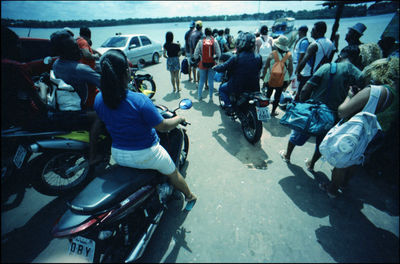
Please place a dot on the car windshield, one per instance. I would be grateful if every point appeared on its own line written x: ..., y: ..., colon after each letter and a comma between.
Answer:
x: 115, y: 42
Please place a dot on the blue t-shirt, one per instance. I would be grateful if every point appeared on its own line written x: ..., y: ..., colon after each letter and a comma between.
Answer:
x: 131, y: 125
x: 76, y: 74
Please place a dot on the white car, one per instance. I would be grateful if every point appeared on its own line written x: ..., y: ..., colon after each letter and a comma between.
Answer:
x: 135, y: 46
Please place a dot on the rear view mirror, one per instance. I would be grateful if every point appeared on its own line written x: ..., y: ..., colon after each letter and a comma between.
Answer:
x: 185, y: 104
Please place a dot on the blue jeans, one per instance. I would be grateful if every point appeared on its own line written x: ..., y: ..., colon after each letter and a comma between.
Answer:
x: 224, y: 94
x: 210, y: 76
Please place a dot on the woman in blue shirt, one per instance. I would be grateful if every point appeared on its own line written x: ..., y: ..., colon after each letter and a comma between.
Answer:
x: 132, y: 120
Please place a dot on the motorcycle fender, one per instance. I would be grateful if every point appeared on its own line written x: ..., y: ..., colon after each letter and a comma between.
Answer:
x: 62, y: 144
x: 67, y: 222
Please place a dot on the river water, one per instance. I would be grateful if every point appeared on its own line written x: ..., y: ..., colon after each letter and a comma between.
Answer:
x: 375, y: 27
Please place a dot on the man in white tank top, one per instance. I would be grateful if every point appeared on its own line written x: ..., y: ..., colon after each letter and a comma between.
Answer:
x: 318, y: 53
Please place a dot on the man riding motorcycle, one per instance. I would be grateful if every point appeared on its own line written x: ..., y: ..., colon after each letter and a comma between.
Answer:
x: 243, y: 69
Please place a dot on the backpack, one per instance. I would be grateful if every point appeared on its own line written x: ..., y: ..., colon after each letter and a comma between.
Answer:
x: 344, y: 144
x: 185, y: 66
x: 278, y: 70
x: 63, y: 97
x: 265, y: 49
x: 207, y: 57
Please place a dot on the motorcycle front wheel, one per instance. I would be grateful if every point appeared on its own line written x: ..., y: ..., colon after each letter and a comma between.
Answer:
x: 184, y: 151
x: 61, y: 172
x: 251, y: 126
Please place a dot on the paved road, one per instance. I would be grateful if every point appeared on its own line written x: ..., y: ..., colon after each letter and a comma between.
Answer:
x: 252, y: 206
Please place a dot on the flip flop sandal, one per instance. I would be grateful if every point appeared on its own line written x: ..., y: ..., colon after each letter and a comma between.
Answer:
x: 190, y: 204
x: 324, y: 187
x: 282, y: 154
x: 307, y: 167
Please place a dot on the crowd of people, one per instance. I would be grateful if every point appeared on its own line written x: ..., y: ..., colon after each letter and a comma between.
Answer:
x: 106, y: 102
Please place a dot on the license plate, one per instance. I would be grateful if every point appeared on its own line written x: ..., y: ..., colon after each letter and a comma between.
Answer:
x: 263, y: 113
x: 19, y: 156
x: 82, y: 247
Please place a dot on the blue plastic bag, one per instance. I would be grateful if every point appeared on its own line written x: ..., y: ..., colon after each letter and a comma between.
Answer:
x: 218, y: 76
x: 311, y: 117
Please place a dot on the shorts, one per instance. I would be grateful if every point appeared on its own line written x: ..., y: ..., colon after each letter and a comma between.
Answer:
x: 155, y: 157
x: 298, y: 138
x: 173, y: 64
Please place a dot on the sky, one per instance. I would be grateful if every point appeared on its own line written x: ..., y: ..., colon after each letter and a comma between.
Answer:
x: 91, y: 10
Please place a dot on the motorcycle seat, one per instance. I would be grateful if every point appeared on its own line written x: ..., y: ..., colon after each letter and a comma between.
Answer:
x: 112, y: 187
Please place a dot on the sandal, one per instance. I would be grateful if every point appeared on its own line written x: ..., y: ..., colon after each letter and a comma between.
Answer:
x: 190, y: 202
x: 308, y: 166
x: 282, y: 153
x: 324, y: 187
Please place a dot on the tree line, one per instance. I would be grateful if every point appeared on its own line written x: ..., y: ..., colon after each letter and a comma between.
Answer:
x: 325, y: 13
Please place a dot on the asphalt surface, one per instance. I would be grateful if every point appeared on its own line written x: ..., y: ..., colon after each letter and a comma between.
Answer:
x: 252, y: 206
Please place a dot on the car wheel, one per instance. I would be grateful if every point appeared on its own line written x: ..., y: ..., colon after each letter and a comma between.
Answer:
x: 156, y: 58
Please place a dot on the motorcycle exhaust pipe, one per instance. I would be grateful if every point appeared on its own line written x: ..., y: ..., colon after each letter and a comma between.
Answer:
x: 140, y: 247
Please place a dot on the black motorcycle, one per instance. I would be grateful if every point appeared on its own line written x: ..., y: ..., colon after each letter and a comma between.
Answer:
x: 114, y: 217
x: 250, y: 108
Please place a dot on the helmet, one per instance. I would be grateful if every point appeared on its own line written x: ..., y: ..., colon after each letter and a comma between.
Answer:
x: 245, y: 41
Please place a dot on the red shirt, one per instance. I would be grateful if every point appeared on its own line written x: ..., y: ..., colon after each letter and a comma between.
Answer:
x: 83, y: 44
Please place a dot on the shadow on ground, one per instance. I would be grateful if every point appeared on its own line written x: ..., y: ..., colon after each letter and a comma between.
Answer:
x: 169, y: 237
x: 352, y: 237
x: 230, y: 136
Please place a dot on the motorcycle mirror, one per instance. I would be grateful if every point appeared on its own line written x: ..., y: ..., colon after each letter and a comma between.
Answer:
x: 141, y: 63
x: 47, y: 60
x: 185, y: 104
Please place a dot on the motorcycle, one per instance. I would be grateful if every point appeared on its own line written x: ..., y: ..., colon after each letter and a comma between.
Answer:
x: 114, y: 217
x: 251, y: 110
x: 61, y: 165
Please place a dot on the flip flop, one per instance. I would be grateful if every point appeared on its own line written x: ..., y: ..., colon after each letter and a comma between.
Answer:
x: 190, y: 204
x: 324, y: 187
x: 282, y: 154
x: 307, y: 167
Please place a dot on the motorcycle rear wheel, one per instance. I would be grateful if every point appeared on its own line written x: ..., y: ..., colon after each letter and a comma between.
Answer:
x: 148, y: 87
x: 55, y: 174
x: 251, y: 126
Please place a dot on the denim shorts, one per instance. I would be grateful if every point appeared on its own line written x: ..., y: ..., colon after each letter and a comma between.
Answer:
x: 173, y: 64
x: 155, y: 157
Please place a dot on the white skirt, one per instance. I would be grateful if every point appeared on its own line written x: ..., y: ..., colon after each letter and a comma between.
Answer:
x: 155, y: 157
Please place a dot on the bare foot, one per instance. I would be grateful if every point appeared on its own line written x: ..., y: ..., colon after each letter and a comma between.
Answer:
x: 308, y: 165
x: 284, y: 157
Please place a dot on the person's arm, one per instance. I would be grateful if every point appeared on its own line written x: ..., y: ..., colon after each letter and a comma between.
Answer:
x: 311, y: 51
x: 306, y: 91
x: 224, y: 66
x: 290, y: 67
x: 355, y: 104
x: 217, y: 49
x: 86, y: 54
x: 165, y: 52
x: 258, y: 45
x: 88, y: 74
x: 169, y: 124
x: 198, y: 50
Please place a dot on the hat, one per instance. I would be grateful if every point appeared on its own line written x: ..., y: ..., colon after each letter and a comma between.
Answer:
x: 359, y: 27
x: 191, y: 24
x: 282, y: 42
x: 303, y: 28
x: 69, y: 30
x: 199, y: 23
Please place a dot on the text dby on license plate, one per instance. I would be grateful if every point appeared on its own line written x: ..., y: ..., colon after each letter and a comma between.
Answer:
x: 263, y: 113
x: 81, y: 246
x: 19, y: 156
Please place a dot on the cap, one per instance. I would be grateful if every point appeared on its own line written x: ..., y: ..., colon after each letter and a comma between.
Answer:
x: 199, y: 23
x: 359, y: 27
x: 191, y: 24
